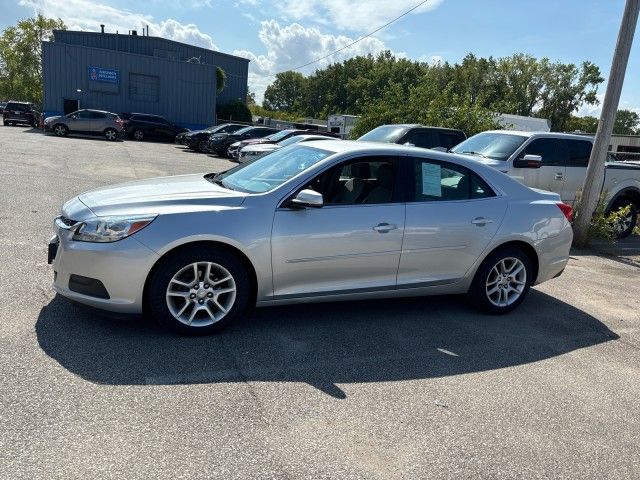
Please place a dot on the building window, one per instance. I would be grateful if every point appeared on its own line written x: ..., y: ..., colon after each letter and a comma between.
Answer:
x: 144, y: 88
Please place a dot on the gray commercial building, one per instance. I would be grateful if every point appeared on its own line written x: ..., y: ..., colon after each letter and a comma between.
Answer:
x: 137, y: 73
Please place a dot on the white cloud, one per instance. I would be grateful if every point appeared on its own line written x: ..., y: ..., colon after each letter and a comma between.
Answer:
x: 88, y: 15
x: 349, y: 15
x: 293, y: 45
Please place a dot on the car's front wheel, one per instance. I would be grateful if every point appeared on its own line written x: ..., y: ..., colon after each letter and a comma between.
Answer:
x: 502, y: 281
x: 199, y: 290
x: 138, y: 135
x: 61, y: 130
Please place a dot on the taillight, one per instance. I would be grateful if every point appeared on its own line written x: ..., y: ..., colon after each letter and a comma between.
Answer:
x: 566, y: 209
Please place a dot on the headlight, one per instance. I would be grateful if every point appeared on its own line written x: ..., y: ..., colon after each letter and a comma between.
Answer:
x: 111, y: 229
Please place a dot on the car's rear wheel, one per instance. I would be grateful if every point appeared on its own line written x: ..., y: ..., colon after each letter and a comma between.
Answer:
x: 61, y: 130
x: 199, y: 290
x: 111, y: 134
x: 502, y: 281
x: 627, y: 222
x: 138, y: 135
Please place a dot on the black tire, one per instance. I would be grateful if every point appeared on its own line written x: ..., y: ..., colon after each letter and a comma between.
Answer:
x: 138, y: 135
x: 169, y: 266
x: 111, y: 134
x: 625, y: 230
x: 478, y: 293
x: 202, y: 146
x: 60, y: 130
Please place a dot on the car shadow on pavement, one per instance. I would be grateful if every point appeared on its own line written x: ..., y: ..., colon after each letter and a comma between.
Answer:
x: 322, y: 345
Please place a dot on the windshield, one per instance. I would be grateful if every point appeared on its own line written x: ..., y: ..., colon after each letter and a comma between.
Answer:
x: 275, y: 137
x: 266, y: 173
x: 290, y: 140
x: 243, y: 130
x: 499, y: 146
x: 384, y: 134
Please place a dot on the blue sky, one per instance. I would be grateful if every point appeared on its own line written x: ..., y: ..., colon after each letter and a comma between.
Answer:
x: 278, y: 35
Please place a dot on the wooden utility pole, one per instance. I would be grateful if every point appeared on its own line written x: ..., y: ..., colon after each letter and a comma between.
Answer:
x: 595, y: 170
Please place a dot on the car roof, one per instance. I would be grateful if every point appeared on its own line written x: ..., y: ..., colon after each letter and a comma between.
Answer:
x: 419, y: 125
x: 521, y: 133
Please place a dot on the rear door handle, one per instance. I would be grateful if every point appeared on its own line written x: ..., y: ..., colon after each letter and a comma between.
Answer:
x: 481, y: 221
x: 384, y: 227
x: 559, y: 176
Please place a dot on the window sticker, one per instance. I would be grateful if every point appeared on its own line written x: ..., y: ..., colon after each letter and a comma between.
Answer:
x: 431, y: 180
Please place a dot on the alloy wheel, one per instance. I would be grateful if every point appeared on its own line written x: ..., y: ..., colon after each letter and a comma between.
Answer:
x: 59, y: 130
x: 506, y: 282
x: 111, y: 135
x: 138, y: 135
x: 201, y: 294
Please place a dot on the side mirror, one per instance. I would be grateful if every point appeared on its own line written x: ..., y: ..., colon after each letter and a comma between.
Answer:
x: 528, y: 161
x: 307, y: 198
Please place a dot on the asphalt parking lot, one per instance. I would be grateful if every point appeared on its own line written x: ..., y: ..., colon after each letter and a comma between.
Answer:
x: 416, y: 388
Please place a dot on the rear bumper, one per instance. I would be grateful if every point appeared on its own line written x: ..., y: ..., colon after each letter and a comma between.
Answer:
x: 553, y: 254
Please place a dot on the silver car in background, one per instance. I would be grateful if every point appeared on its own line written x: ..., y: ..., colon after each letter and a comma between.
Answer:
x: 87, y: 122
x: 317, y: 221
x: 252, y: 151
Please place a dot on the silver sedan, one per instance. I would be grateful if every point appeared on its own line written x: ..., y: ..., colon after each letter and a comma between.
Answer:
x: 318, y: 221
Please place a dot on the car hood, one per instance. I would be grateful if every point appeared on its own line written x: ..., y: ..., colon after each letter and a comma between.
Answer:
x: 160, y: 195
x: 51, y: 119
x: 261, y: 147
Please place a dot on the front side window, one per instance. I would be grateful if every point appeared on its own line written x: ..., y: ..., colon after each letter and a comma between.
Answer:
x: 422, y: 139
x: 552, y: 150
x: 276, y: 137
x: 496, y: 145
x: 270, y: 171
x: 439, y: 181
x: 363, y: 181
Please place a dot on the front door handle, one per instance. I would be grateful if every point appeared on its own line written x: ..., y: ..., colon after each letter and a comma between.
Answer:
x: 384, y: 227
x: 481, y: 221
x: 559, y: 176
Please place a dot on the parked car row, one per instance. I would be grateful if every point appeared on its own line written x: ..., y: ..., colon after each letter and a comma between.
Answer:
x: 137, y: 126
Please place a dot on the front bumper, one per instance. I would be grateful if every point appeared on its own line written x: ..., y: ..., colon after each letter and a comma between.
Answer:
x: 121, y: 267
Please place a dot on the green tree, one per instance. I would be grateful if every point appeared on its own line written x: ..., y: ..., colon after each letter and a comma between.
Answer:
x: 586, y: 124
x: 221, y: 79
x: 626, y: 122
x: 566, y: 88
x: 20, y: 57
x: 285, y: 93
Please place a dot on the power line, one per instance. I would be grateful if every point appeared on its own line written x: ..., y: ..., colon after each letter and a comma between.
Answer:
x: 359, y: 39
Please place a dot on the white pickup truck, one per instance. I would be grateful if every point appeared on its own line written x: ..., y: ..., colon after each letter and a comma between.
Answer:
x: 557, y: 162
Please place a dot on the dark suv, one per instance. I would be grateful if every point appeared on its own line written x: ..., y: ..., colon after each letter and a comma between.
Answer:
x: 20, y: 112
x: 415, y: 135
x: 220, y: 142
x: 141, y: 126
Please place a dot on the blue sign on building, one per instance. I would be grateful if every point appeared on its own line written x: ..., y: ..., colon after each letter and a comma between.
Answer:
x: 106, y: 75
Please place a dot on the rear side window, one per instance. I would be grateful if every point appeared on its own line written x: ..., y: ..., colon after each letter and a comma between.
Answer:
x: 552, y: 150
x: 441, y: 181
x: 579, y: 153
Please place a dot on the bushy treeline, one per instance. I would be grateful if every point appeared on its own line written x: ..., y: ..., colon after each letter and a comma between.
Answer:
x: 466, y: 95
